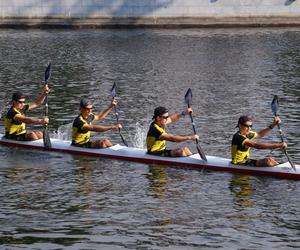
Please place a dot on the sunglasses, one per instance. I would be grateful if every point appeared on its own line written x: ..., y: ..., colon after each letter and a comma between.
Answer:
x: 88, y: 108
x: 247, y: 126
x: 21, y: 102
x: 164, y: 117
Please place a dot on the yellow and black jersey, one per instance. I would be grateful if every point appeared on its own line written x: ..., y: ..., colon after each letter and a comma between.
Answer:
x: 79, y: 134
x: 153, y: 140
x: 239, y: 151
x: 13, y: 127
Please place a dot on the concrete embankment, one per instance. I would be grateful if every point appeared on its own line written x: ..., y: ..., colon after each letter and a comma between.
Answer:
x: 151, y: 13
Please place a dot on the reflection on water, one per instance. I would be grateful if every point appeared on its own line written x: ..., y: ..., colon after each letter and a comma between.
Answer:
x: 55, y: 201
x: 240, y: 186
x: 158, y: 180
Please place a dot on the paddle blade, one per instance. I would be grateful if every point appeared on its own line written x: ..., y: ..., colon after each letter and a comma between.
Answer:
x: 46, y: 139
x: 48, y: 72
x: 113, y: 90
x: 275, y: 105
x: 188, y: 97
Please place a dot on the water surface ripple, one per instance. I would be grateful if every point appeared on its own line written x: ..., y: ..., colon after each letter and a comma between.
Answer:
x: 56, y: 201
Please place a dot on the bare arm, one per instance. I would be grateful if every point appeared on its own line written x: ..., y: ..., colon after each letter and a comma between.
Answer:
x: 40, y: 99
x: 265, y: 145
x: 176, y: 117
x: 101, y: 128
x: 31, y: 120
x: 104, y: 113
x: 179, y: 138
x: 263, y: 132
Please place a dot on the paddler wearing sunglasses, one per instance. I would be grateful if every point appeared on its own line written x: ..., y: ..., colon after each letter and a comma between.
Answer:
x: 244, y: 139
x: 157, y: 135
x: 82, y: 126
x: 16, y: 119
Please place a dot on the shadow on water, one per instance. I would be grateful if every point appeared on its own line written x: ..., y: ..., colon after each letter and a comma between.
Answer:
x: 31, y: 240
x: 109, y: 11
x: 289, y: 2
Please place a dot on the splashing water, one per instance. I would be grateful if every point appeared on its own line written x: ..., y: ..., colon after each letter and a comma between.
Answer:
x: 4, y: 108
x: 140, y: 135
x: 64, y: 132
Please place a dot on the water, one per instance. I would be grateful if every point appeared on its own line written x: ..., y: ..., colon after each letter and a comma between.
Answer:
x: 57, y: 201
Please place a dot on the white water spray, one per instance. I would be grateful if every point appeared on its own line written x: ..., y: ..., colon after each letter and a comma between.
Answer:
x: 64, y: 132
x: 139, y: 140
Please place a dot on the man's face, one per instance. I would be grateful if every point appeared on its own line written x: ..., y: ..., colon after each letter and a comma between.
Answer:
x: 19, y: 104
x: 246, y: 127
x: 87, y: 110
x: 162, y: 119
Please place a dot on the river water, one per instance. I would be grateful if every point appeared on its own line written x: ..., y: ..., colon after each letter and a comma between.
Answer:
x: 58, y: 201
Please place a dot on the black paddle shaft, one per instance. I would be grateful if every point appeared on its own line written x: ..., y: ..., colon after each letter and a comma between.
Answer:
x: 193, y: 124
x: 284, y: 150
x: 47, y: 77
x: 117, y: 118
x: 113, y: 94
x: 188, y: 99
x: 199, y: 149
x: 46, y: 137
x: 275, y: 108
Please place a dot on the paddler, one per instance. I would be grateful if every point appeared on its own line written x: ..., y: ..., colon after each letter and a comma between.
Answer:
x: 157, y: 135
x: 244, y: 139
x: 16, y: 119
x: 82, y: 126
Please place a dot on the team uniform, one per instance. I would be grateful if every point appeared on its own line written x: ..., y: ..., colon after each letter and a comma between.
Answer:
x: 239, y: 151
x: 80, y: 136
x: 13, y: 129
x: 155, y: 144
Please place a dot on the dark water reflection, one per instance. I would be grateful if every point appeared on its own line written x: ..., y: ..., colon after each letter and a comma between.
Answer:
x: 53, y: 201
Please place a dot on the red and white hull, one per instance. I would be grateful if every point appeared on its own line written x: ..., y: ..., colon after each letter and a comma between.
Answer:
x: 139, y: 155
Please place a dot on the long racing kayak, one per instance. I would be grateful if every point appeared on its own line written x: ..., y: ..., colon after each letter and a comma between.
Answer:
x: 119, y: 152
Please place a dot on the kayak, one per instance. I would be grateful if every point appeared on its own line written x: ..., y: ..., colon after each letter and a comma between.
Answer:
x: 119, y: 152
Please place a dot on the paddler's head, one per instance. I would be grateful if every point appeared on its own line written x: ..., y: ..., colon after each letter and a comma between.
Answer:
x: 245, y: 123
x: 160, y: 115
x: 86, y: 107
x: 18, y: 100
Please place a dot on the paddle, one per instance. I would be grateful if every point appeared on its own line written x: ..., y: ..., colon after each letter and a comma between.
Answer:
x: 113, y: 94
x: 46, y: 137
x: 188, y: 100
x: 275, y: 108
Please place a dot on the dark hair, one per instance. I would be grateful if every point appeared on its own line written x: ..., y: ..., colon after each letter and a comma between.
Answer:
x: 85, y: 102
x: 159, y: 111
x: 17, y: 96
x: 243, y: 119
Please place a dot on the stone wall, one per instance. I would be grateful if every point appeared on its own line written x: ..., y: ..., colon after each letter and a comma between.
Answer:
x: 149, y: 12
